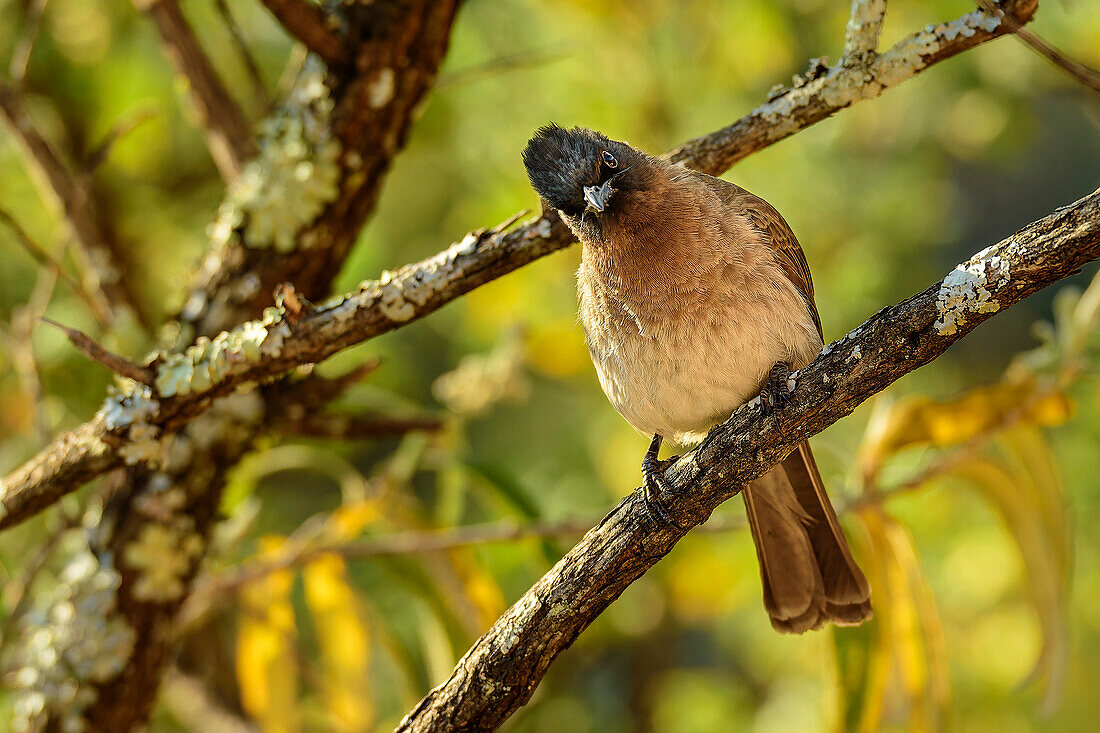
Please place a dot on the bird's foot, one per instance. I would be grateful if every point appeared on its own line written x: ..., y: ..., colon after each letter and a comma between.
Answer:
x: 776, y: 395
x: 654, y: 484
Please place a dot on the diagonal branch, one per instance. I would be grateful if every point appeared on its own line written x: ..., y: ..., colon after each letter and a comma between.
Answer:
x: 98, y: 308
x: 228, y: 133
x: 503, y: 668
x: 97, y: 353
x: 419, y: 289
x: 845, y: 84
x: 348, y: 131
x: 356, y: 427
x: 259, y: 89
x: 312, y: 26
x: 1083, y: 74
x: 100, y: 244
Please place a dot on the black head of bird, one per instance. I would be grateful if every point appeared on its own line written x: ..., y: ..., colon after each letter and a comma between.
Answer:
x: 585, y: 175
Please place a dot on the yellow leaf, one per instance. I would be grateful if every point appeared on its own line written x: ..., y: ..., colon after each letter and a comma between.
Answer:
x: 349, y: 520
x: 919, y: 420
x: 344, y: 638
x: 267, y: 668
x: 1025, y: 489
x: 906, y: 643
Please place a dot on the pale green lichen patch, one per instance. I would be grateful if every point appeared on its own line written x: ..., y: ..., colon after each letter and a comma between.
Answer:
x: 127, y: 402
x: 381, y: 89
x: 163, y: 555
x: 399, y: 295
x: 844, y: 85
x: 70, y: 640
x: 967, y: 288
x: 391, y: 299
x: 143, y: 445
x: 130, y: 406
x: 296, y: 173
x: 209, y: 361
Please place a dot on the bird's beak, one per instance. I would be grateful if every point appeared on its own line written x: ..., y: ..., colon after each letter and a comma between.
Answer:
x: 597, y: 196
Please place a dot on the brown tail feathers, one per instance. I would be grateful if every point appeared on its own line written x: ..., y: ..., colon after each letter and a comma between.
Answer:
x: 808, y: 572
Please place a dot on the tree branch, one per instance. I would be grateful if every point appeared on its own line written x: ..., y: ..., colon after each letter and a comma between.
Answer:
x: 419, y: 289
x: 96, y: 305
x: 349, y: 125
x: 864, y: 27
x: 259, y: 89
x: 97, y: 353
x: 312, y: 26
x: 69, y: 462
x: 99, y: 243
x: 228, y: 133
x: 845, y: 84
x: 503, y: 668
x: 1084, y: 75
x: 355, y: 427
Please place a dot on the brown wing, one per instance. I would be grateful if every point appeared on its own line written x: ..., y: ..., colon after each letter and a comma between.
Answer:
x: 776, y: 231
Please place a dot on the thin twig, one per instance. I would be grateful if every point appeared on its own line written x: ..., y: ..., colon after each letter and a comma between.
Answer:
x: 259, y: 89
x: 310, y: 24
x: 96, y: 305
x: 103, y: 252
x: 20, y: 347
x: 357, y: 427
x: 1078, y: 71
x: 228, y: 132
x: 109, y: 359
x: 123, y: 127
x: 512, y: 62
x: 24, y: 47
x: 300, y: 398
x: 216, y: 589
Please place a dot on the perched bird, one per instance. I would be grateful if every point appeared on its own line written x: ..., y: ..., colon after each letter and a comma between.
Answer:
x: 695, y: 297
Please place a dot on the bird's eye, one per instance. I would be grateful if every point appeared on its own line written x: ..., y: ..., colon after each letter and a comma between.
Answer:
x: 609, y: 160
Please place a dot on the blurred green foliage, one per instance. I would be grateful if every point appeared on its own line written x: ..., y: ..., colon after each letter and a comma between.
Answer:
x: 975, y: 589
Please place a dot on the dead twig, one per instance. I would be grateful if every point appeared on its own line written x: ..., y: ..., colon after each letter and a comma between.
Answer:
x: 104, y: 267
x: 109, y: 359
x: 98, y: 308
x: 1084, y: 75
x: 349, y: 427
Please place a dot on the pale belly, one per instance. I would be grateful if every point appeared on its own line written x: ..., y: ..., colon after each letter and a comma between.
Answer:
x: 678, y: 377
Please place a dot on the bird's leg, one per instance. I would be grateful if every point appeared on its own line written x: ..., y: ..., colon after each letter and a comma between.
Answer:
x: 654, y: 483
x: 776, y: 395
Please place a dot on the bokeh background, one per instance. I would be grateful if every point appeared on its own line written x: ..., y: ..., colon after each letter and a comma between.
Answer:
x: 985, y: 565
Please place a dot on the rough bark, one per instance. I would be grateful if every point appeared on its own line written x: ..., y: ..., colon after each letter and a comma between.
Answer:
x: 503, y: 668
x: 412, y: 38
x: 482, y: 255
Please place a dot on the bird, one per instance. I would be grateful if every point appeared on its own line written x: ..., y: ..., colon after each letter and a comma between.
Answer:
x: 696, y: 297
